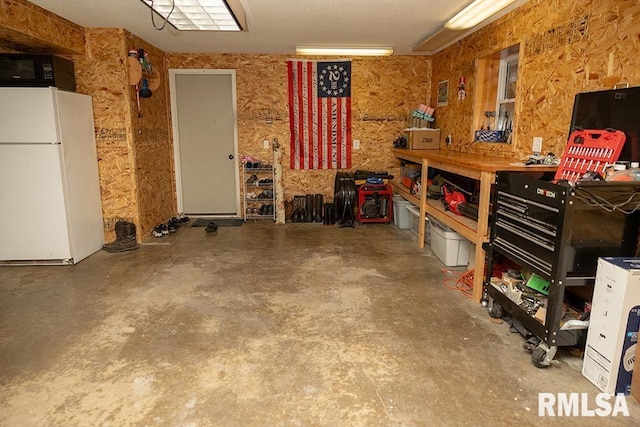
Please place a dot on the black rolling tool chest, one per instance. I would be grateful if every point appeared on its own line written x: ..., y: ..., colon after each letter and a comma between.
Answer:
x: 558, y: 232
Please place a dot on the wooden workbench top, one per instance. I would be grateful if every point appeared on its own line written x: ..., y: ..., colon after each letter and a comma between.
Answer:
x: 470, y: 161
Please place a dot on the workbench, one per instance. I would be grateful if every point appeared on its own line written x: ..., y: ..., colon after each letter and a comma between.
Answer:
x: 478, y: 167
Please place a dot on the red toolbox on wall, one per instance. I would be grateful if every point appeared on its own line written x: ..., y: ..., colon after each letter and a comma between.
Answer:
x: 375, y: 203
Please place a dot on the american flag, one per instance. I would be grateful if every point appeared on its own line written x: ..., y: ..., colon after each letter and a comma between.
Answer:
x: 320, y: 114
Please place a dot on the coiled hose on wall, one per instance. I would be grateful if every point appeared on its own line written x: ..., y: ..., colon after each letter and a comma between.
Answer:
x: 344, y: 198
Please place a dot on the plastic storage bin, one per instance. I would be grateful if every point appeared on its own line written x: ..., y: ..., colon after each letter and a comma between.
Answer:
x: 401, y: 217
x: 414, y: 216
x: 450, y: 247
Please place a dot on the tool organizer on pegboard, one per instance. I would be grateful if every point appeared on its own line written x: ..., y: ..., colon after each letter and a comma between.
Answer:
x: 589, y: 150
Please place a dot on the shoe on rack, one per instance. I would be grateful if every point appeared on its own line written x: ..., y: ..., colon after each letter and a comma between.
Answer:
x: 252, y: 180
x: 266, y: 194
x: 211, y: 227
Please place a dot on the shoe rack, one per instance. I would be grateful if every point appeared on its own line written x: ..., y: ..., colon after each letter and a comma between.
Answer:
x: 259, y: 191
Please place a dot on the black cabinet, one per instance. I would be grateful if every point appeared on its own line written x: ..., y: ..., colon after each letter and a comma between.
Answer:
x: 558, y: 232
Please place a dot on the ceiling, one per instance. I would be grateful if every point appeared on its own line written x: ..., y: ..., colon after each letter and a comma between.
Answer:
x: 277, y: 26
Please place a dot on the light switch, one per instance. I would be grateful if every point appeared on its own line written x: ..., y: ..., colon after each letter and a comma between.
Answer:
x: 537, y: 144
x: 356, y: 144
x: 265, y: 143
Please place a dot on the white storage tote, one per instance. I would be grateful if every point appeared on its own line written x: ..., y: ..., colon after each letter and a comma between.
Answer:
x: 450, y: 247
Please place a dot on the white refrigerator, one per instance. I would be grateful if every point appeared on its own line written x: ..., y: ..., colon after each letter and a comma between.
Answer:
x: 50, y: 208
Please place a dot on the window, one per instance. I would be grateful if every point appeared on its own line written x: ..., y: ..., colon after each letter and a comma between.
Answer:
x: 494, y: 109
x: 506, y: 101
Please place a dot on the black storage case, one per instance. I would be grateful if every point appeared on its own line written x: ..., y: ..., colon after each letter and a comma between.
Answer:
x: 558, y: 232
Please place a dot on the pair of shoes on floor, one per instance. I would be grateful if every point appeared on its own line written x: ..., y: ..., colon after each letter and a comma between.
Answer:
x: 181, y: 218
x: 173, y: 224
x: 160, y: 230
x: 170, y: 227
x: 211, y: 227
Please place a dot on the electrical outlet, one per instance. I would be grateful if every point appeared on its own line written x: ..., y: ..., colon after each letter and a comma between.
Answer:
x: 265, y: 143
x: 448, y: 139
x: 536, y: 147
x: 356, y: 144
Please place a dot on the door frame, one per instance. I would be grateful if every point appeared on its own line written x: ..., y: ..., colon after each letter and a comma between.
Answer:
x: 173, y: 72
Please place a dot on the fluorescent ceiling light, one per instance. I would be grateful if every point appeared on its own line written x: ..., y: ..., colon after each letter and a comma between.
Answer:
x: 475, y: 13
x: 350, y: 51
x: 196, y: 15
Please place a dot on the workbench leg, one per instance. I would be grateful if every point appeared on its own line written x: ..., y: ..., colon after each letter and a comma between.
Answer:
x: 423, y: 202
x: 486, y: 179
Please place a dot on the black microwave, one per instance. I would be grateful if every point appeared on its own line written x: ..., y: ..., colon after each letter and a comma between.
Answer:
x: 29, y: 70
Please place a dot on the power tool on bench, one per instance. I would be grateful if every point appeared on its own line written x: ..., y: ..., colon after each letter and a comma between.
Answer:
x: 457, y: 203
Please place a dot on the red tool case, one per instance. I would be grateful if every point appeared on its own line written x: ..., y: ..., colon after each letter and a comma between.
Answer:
x: 589, y: 150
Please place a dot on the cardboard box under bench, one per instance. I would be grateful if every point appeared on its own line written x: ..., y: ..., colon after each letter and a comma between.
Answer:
x: 423, y: 139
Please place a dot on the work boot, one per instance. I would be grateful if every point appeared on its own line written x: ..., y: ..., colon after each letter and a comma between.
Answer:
x: 317, y: 207
x: 125, y: 238
x: 309, y: 216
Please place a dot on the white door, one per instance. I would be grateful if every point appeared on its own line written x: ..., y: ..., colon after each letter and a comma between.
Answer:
x: 203, y: 111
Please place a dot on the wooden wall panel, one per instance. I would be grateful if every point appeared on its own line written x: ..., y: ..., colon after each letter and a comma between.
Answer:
x: 134, y: 154
x: 567, y: 47
x: 26, y: 27
x: 101, y: 73
x: 153, y: 149
x: 384, y: 91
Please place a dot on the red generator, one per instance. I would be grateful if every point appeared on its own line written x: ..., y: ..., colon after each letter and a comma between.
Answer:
x: 375, y: 203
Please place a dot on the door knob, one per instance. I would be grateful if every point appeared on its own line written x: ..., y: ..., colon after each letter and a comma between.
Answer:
x: 230, y: 156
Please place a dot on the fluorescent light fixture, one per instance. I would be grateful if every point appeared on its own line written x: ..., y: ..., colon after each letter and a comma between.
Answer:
x: 475, y: 13
x: 197, y: 15
x: 344, y: 51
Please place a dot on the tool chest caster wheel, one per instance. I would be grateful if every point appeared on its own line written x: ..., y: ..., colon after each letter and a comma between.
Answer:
x: 542, y: 356
x: 531, y: 344
x: 494, y: 309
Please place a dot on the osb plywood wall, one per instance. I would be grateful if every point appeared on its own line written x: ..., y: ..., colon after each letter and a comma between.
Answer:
x: 384, y: 91
x: 26, y: 27
x: 153, y: 149
x: 134, y: 155
x: 566, y: 47
x: 101, y: 73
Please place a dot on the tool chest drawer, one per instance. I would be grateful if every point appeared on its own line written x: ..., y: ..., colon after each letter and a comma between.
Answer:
x: 526, y: 220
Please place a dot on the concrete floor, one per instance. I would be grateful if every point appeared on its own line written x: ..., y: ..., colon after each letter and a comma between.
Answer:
x: 264, y: 325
